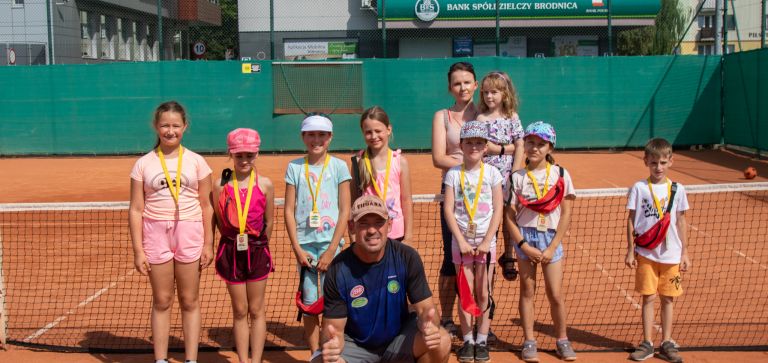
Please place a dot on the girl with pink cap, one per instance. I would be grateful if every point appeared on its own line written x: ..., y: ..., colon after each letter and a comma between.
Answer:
x: 170, y: 218
x: 244, y: 203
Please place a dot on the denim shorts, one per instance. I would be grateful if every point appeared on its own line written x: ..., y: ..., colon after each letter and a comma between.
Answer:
x: 540, y: 240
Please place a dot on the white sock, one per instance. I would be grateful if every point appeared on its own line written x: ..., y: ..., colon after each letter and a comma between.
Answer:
x: 468, y: 338
x: 482, y: 338
x: 161, y: 361
x: 190, y: 361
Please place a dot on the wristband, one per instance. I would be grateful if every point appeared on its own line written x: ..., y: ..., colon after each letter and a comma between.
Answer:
x: 520, y: 244
x: 502, y: 150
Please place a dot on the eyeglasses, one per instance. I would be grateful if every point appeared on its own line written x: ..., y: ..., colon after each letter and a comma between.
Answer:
x: 321, y: 114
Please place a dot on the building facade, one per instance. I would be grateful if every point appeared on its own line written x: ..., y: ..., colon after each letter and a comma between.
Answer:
x: 743, y: 24
x: 90, y: 31
x: 332, y: 29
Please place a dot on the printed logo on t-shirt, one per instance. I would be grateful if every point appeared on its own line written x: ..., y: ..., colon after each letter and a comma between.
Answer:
x: 158, y: 182
x: 393, y: 286
x: 359, y: 302
x: 356, y: 291
x: 649, y: 209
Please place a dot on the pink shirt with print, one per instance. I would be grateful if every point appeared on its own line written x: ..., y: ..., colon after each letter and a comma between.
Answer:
x: 158, y: 202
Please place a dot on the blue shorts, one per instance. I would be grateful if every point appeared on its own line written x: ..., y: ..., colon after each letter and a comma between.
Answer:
x: 309, y: 287
x: 540, y: 240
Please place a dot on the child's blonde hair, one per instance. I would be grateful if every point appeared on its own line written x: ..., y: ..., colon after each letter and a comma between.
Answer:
x: 501, y: 81
x: 658, y: 147
x: 374, y: 113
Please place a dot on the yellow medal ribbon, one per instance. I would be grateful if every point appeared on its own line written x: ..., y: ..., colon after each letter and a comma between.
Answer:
x: 471, y: 211
x: 540, y: 193
x: 174, y: 193
x: 319, y: 180
x: 657, y: 202
x: 242, y: 212
x: 382, y: 195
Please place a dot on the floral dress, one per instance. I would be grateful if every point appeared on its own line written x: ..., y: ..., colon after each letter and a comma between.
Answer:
x: 504, y: 131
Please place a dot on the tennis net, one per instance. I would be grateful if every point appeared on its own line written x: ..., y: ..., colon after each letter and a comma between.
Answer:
x: 70, y: 283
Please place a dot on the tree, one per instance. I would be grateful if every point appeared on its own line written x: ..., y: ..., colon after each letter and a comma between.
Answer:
x: 660, y: 38
x: 218, y: 39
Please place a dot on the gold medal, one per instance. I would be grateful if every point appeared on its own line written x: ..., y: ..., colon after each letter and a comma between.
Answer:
x: 314, y: 219
x: 471, y: 230
x: 242, y: 242
x: 541, y: 226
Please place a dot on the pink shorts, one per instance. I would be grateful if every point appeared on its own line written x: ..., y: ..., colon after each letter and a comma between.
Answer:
x: 178, y: 240
x: 457, y: 258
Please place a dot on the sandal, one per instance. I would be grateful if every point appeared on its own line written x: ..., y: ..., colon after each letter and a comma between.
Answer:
x: 508, y: 269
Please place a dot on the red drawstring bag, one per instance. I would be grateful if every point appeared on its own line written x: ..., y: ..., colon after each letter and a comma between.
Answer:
x: 548, y: 202
x: 315, y: 308
x: 658, y: 232
x: 466, y: 298
x: 465, y: 294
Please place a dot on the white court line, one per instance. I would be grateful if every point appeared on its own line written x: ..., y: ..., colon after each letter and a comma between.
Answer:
x: 83, y: 303
x: 612, y: 183
x: 742, y: 254
x: 627, y: 296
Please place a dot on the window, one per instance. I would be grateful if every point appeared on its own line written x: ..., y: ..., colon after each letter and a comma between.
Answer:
x: 88, y: 43
x: 707, y: 49
x: 152, y: 44
x: 108, y: 30
x: 706, y: 21
x: 125, y: 31
x: 18, y: 3
x: 141, y: 42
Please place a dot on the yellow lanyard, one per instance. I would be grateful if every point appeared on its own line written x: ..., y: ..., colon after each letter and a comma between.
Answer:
x: 174, y: 193
x: 319, y: 180
x: 382, y: 195
x: 658, y: 202
x: 471, y: 211
x: 242, y: 212
x: 540, y: 193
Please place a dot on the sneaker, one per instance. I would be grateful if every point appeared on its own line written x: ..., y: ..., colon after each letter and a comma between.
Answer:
x: 449, y: 326
x: 565, y: 350
x: 481, y: 353
x: 492, y: 337
x: 529, y: 353
x: 669, y: 352
x: 466, y: 353
x: 642, y: 352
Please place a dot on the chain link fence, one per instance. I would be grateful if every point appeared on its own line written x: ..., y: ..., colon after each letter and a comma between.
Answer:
x: 91, y: 31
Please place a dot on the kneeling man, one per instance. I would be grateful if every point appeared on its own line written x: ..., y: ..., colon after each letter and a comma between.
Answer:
x: 367, y: 290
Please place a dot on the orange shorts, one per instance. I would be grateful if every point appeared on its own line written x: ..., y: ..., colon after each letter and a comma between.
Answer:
x: 652, y: 277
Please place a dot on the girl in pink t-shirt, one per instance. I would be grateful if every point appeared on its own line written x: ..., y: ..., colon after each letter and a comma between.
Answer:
x: 170, y: 219
x: 380, y: 171
x: 244, y: 202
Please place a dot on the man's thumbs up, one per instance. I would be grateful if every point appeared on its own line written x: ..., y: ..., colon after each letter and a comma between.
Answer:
x: 332, y: 346
x: 429, y: 330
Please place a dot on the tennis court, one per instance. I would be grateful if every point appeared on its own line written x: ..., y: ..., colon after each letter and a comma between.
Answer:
x: 71, y: 285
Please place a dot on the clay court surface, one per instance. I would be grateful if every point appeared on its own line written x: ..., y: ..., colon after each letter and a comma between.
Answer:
x: 90, y: 179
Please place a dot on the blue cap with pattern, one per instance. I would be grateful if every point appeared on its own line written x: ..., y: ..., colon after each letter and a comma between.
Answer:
x: 474, y: 129
x: 543, y: 130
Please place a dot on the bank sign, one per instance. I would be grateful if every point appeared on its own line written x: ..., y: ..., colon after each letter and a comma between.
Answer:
x: 429, y: 10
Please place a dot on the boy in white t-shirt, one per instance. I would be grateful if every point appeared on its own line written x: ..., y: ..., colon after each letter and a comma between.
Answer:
x: 656, y: 233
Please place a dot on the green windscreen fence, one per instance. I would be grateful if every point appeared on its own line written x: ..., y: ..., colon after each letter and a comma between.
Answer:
x: 593, y: 102
x: 745, y: 91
